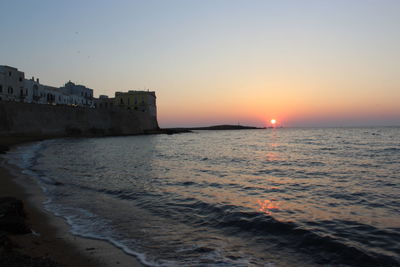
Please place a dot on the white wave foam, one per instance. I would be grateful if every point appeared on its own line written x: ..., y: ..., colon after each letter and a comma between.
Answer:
x: 85, y: 224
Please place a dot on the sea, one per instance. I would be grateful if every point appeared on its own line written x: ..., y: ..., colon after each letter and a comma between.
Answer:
x: 267, y: 197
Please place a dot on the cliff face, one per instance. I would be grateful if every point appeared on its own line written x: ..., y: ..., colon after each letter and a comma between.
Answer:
x: 23, y: 119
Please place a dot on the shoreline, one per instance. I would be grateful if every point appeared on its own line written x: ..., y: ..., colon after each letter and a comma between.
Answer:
x: 51, y: 238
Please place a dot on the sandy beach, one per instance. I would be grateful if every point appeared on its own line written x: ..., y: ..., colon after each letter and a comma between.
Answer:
x: 50, y: 238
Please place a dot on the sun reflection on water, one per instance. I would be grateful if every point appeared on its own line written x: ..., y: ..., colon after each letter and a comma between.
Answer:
x: 268, y: 206
x: 271, y: 156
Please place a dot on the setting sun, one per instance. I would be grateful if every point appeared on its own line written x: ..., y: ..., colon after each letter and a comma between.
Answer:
x: 273, y: 121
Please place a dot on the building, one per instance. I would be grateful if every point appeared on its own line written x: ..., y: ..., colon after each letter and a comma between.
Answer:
x: 44, y: 94
x: 12, y: 84
x: 34, y: 90
x: 54, y: 96
x: 144, y: 101
x: 104, y: 102
x: 85, y: 94
x: 14, y: 87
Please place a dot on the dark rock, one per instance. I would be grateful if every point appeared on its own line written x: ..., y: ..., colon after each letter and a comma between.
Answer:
x: 14, y: 225
x: 12, y: 216
x: 225, y: 127
x: 11, y: 206
x: 5, y: 243
x: 3, y: 149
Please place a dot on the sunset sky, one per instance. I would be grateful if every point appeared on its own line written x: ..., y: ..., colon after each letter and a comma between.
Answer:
x: 304, y: 63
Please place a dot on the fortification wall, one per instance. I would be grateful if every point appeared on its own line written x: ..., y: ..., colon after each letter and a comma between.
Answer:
x: 24, y: 119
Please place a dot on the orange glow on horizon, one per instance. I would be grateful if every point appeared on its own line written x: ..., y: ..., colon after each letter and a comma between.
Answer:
x: 286, y: 110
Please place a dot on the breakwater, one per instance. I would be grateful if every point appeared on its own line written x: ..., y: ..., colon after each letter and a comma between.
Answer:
x: 25, y: 119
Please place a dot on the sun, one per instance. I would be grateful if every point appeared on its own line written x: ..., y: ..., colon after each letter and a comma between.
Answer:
x: 273, y: 121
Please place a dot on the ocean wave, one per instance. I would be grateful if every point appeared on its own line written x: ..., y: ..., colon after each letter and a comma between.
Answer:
x: 210, y: 192
x: 330, y: 249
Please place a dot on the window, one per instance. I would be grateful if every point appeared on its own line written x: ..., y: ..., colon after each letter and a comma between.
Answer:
x: 20, y: 79
x: 122, y: 101
x: 9, y: 73
x: 10, y: 90
x: 1, y: 88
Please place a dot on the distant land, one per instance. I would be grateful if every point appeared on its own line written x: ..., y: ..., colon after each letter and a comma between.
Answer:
x: 214, y: 127
x: 225, y: 127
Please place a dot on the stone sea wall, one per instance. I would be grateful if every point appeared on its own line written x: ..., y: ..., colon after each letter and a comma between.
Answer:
x: 24, y: 119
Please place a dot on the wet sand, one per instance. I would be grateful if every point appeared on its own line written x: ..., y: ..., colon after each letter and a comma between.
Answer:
x: 51, y: 238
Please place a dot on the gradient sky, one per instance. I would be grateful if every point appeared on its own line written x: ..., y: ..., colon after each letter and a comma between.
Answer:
x: 305, y: 63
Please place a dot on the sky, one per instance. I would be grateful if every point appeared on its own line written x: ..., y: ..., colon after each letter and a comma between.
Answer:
x: 303, y: 62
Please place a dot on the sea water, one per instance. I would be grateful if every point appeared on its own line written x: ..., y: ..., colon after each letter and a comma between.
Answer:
x: 272, y: 197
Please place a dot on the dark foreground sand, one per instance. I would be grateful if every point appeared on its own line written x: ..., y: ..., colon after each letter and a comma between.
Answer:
x: 51, y: 239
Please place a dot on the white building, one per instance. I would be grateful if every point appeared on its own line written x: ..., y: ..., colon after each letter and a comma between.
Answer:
x: 83, y: 95
x: 44, y: 94
x: 11, y: 84
x: 35, y: 91
x: 14, y: 87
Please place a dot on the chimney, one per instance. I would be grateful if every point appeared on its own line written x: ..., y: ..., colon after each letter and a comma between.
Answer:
x: 33, y: 78
x: 37, y: 80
